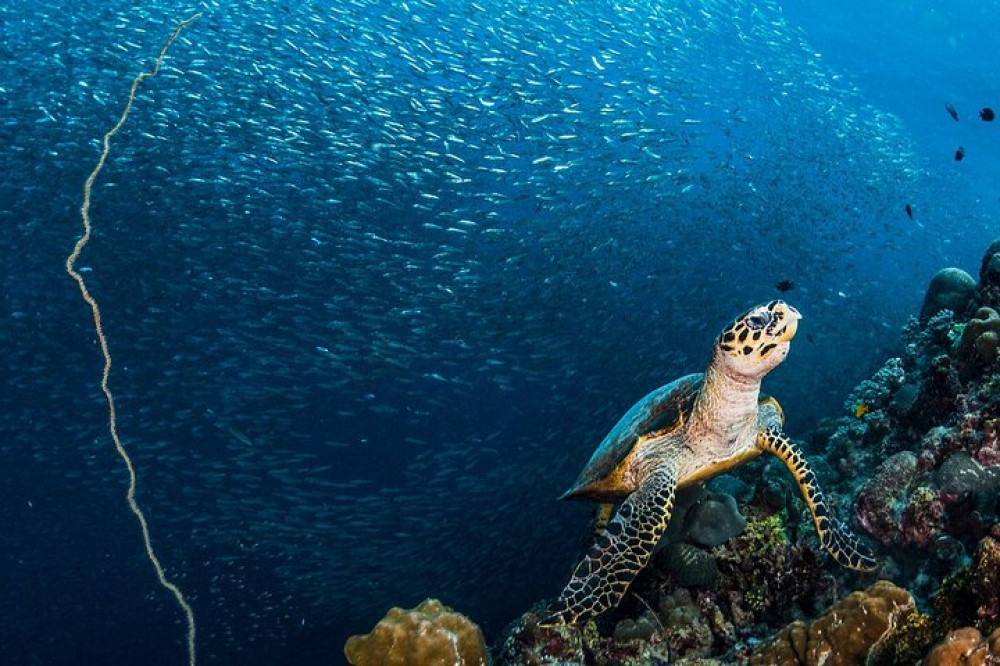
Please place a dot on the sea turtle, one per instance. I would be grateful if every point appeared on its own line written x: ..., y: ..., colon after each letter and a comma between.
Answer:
x: 683, y: 433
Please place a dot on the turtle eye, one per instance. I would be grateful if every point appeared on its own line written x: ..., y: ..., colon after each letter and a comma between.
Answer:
x: 759, y: 320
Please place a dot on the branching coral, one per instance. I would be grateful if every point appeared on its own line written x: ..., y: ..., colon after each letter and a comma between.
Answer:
x: 923, y: 342
x: 875, y: 393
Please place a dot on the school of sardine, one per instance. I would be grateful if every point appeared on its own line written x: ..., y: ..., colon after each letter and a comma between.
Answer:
x: 377, y: 277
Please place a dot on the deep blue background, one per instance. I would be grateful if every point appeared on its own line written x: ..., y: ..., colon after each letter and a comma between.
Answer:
x: 334, y: 407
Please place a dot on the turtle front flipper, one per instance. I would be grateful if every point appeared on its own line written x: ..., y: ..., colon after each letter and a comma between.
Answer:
x: 619, y: 552
x: 835, y: 537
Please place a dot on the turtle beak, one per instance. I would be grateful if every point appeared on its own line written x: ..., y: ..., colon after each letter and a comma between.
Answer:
x: 791, y: 318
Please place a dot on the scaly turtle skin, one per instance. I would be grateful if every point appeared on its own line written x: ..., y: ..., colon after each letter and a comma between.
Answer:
x: 684, y: 433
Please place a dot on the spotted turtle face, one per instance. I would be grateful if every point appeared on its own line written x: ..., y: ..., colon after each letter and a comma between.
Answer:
x: 758, y: 341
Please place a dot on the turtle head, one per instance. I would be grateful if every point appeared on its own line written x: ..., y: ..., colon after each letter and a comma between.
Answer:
x: 758, y: 341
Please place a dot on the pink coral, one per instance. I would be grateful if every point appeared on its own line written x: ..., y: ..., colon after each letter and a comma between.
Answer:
x: 878, y: 507
x: 988, y: 450
x: 894, y: 514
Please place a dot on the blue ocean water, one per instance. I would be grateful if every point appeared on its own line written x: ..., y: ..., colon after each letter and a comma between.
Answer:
x: 377, y: 277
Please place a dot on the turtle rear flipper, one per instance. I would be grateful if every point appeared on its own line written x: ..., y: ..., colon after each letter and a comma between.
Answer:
x: 619, y: 553
x: 835, y: 537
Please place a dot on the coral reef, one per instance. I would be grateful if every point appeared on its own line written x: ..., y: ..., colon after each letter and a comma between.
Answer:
x: 846, y: 635
x: 707, y: 604
x: 914, y: 459
x: 687, y: 632
x: 923, y: 517
x: 928, y: 429
x: 972, y: 595
x: 428, y: 635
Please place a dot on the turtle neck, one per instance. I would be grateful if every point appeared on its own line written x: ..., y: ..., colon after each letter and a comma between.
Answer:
x: 726, y: 404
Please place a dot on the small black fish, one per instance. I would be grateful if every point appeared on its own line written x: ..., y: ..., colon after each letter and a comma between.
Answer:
x: 785, y: 285
x: 960, y: 154
x: 987, y: 114
x: 951, y: 111
x: 909, y: 211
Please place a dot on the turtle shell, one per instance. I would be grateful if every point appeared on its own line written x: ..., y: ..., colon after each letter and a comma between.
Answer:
x: 660, y: 411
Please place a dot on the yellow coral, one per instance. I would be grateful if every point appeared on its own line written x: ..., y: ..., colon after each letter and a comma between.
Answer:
x: 769, y: 532
x: 845, y: 635
x: 909, y: 641
x: 428, y: 635
x: 861, y: 410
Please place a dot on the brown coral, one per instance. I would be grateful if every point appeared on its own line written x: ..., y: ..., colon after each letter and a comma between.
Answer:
x: 966, y: 647
x: 845, y: 635
x: 428, y: 635
x: 977, y: 348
